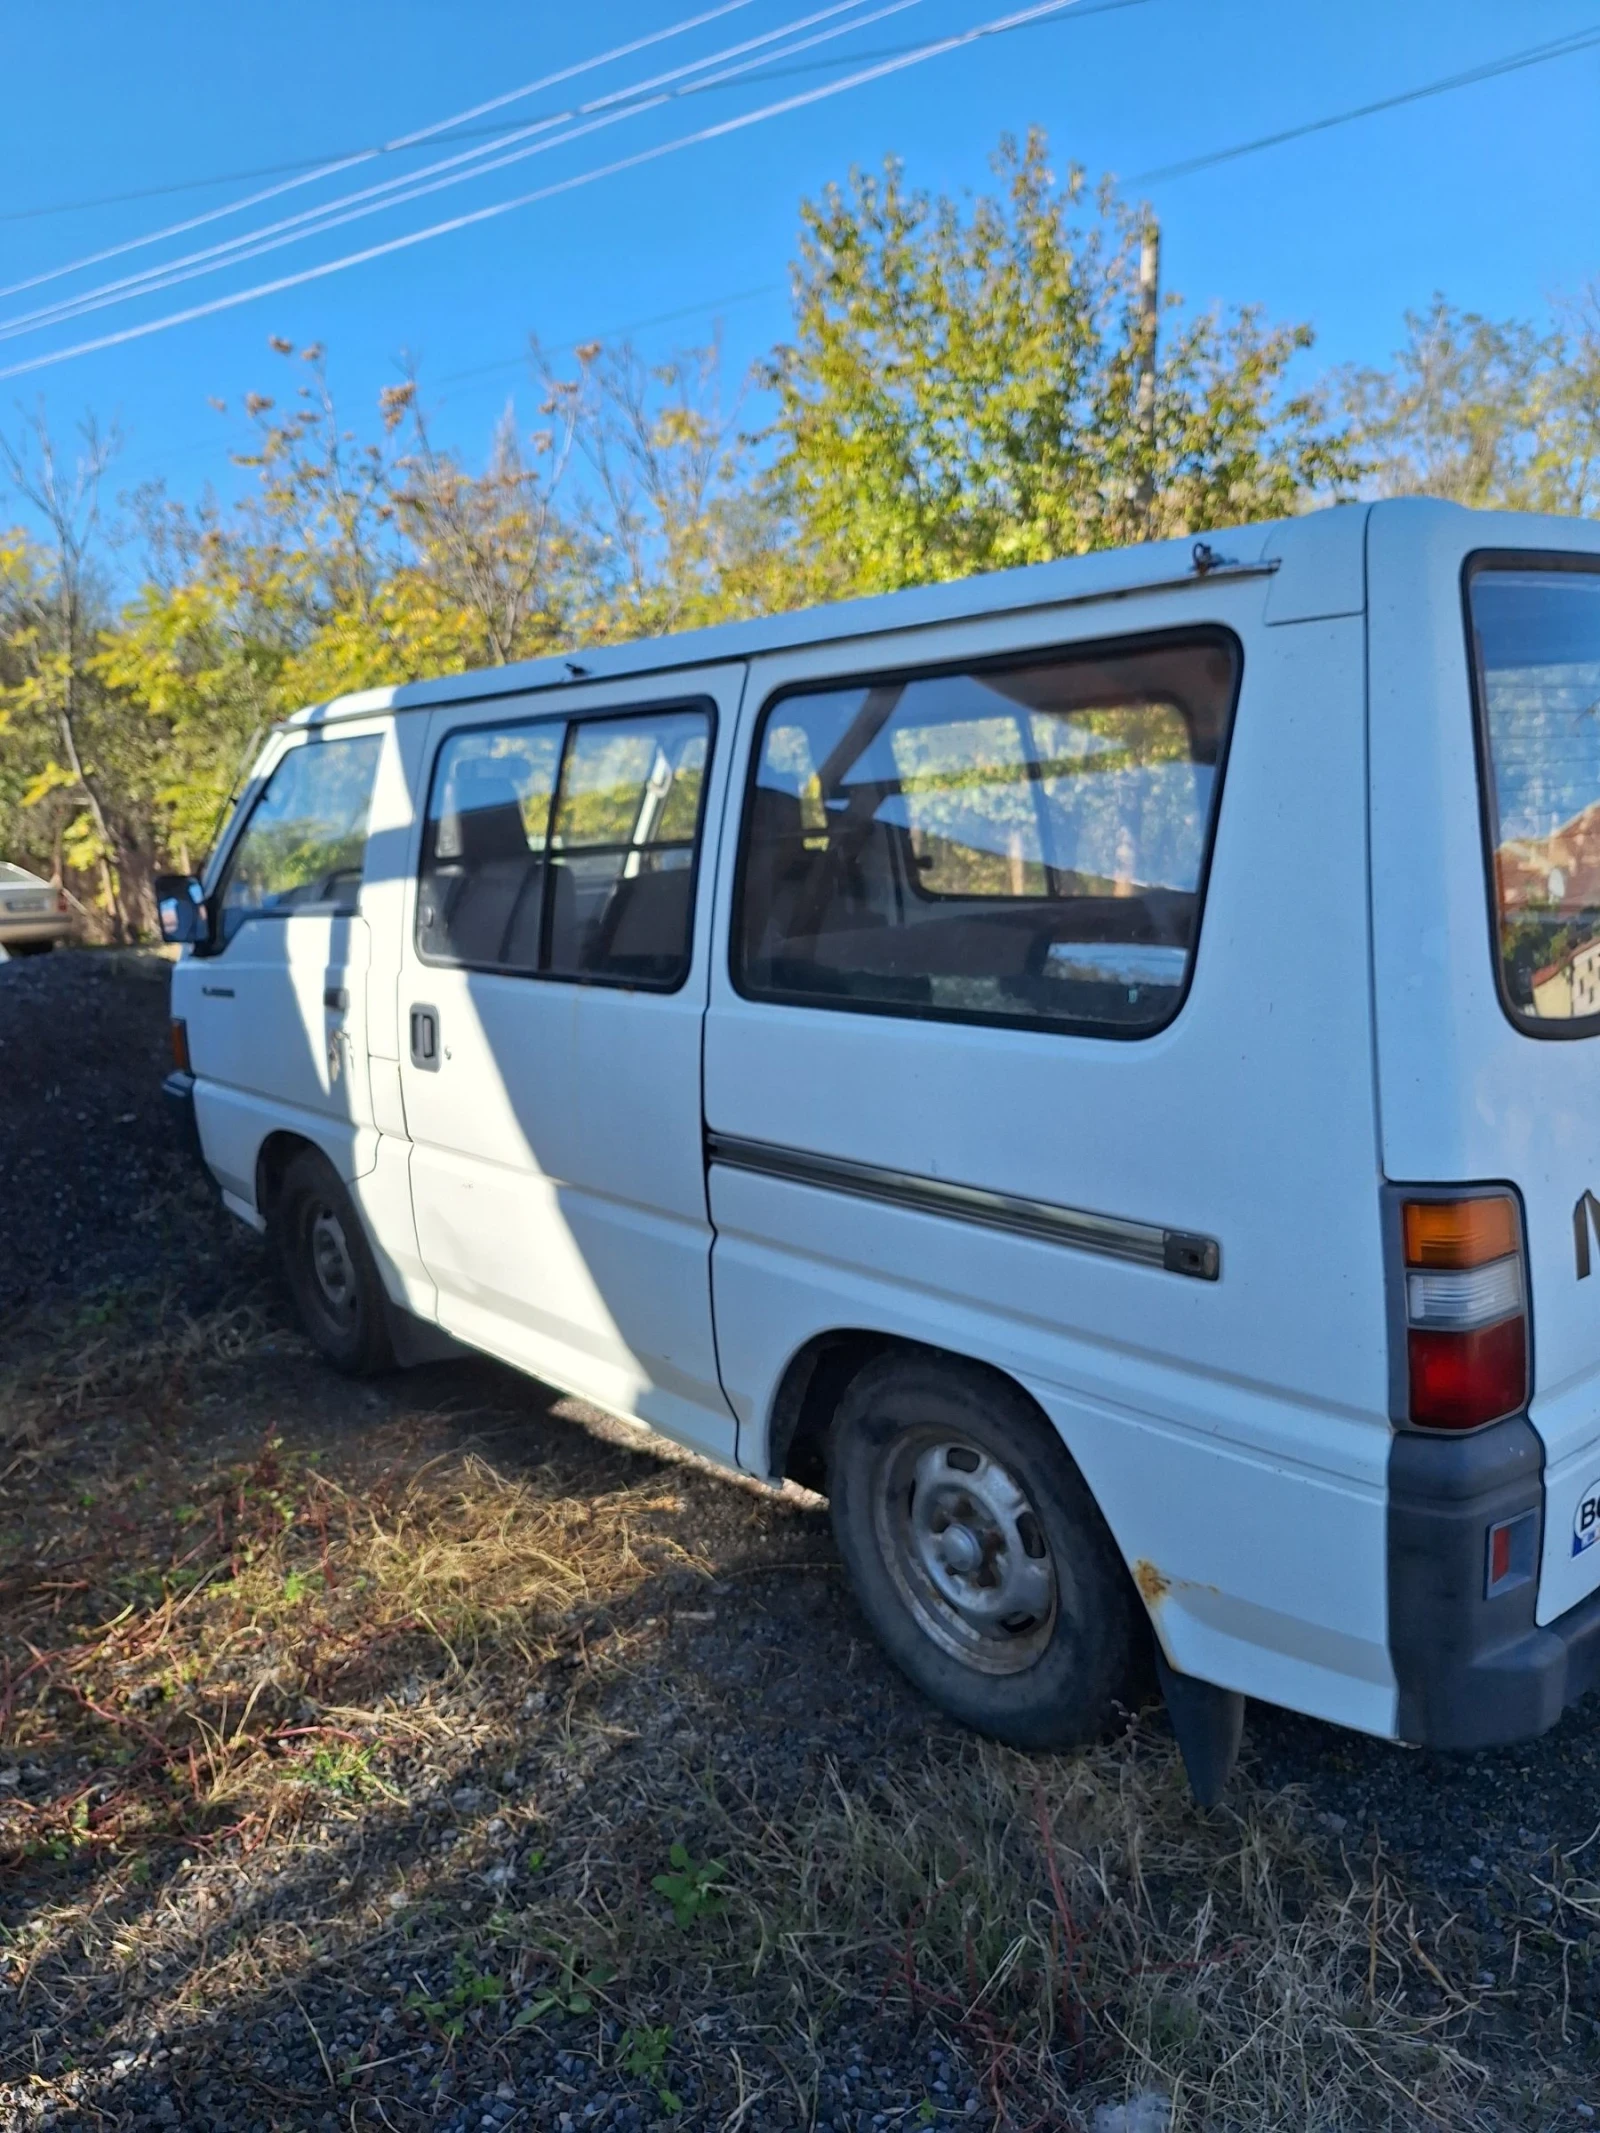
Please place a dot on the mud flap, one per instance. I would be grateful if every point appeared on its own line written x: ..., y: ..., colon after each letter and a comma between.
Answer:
x: 1208, y: 1723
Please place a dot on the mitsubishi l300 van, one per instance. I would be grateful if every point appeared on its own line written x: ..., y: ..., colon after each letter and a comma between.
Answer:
x: 1097, y: 1068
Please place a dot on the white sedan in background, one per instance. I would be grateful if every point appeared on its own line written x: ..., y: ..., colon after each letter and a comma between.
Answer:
x: 33, y: 916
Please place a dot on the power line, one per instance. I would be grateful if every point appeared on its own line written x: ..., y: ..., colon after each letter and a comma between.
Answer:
x: 719, y: 131
x: 1533, y: 56
x: 343, y: 158
x: 1569, y: 46
x: 366, y: 155
x: 398, y: 192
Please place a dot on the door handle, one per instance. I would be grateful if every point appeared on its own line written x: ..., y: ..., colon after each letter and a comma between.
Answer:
x: 425, y: 1039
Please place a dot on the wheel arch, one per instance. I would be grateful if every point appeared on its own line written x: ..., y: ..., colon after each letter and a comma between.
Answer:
x: 277, y: 1151
x: 816, y: 1377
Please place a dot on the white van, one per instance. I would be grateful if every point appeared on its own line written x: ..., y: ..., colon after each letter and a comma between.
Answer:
x: 1096, y: 1067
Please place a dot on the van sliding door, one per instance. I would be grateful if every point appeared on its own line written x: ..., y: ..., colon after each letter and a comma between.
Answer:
x: 552, y: 998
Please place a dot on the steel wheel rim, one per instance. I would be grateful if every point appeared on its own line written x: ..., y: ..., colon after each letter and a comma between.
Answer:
x: 332, y: 1267
x: 966, y: 1550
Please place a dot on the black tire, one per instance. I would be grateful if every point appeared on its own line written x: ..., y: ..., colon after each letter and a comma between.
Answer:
x: 30, y: 948
x: 1040, y: 1676
x: 328, y: 1265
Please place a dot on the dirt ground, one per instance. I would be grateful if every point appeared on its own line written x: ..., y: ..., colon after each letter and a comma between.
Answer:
x: 438, y: 1753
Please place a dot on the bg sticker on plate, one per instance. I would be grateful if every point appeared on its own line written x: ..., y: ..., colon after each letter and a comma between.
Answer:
x: 1586, y: 1519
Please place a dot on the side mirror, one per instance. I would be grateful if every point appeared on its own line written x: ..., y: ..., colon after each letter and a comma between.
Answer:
x: 181, y: 909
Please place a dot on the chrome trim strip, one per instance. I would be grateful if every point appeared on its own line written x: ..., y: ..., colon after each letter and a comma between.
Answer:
x: 1174, y: 1251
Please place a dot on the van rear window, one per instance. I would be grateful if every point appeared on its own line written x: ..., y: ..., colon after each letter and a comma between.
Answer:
x: 1024, y: 843
x: 1536, y: 642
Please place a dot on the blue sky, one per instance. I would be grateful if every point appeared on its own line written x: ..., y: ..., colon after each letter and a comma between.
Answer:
x: 1486, y: 194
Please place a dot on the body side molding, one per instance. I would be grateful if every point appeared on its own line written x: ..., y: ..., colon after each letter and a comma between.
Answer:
x: 1146, y: 1243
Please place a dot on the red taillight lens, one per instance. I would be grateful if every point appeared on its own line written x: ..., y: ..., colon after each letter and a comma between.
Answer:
x: 1466, y: 1310
x: 1461, y: 1379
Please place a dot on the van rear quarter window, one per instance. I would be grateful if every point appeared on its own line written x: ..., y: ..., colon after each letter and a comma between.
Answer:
x: 1023, y: 843
x: 1536, y: 654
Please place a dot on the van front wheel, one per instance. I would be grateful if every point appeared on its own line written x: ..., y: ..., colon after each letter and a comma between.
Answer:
x: 329, y: 1267
x: 978, y: 1554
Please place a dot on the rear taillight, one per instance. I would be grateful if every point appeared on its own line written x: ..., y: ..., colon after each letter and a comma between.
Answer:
x: 180, y: 1045
x: 1466, y: 1310
x: 62, y: 906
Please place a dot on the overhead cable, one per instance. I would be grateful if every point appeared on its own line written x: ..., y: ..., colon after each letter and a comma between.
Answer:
x: 93, y: 201
x: 354, y: 156
x: 720, y: 130
x: 635, y: 100
x: 1533, y: 56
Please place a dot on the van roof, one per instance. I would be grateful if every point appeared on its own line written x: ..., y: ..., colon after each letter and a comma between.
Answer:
x: 1317, y: 561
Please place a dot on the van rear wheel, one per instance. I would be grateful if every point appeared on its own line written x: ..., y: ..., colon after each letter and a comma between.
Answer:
x: 329, y: 1267
x: 978, y: 1554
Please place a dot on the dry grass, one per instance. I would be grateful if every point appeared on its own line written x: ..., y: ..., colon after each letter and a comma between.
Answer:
x: 287, y: 1609
x: 282, y: 1672
x: 119, y: 1351
x: 1078, y: 1924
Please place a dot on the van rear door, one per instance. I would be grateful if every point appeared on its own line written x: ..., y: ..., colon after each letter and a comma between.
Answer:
x: 1485, y: 753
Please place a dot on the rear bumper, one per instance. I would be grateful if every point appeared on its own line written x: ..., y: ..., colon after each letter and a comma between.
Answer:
x: 26, y: 932
x: 1522, y: 1689
x: 1475, y: 1672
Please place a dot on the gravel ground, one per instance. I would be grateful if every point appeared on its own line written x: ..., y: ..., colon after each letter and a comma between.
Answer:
x: 84, y: 1148
x: 420, y: 1951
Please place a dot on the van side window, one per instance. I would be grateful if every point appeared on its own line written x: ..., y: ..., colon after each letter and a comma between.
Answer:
x: 1007, y: 844
x: 304, y: 846
x: 567, y: 851
x: 622, y: 848
x: 482, y: 896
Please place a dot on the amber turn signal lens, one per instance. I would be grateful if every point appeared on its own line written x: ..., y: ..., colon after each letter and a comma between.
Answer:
x: 180, y: 1045
x: 1461, y: 1233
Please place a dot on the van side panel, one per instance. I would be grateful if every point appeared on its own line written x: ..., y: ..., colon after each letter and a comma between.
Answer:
x: 1235, y: 1431
x: 1464, y: 1096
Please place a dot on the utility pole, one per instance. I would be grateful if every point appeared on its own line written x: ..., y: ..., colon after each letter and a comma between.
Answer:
x: 1145, y: 401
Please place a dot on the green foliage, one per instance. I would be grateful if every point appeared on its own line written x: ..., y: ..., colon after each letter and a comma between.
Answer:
x: 468, y: 1990
x: 1487, y: 412
x: 339, y: 1768
x: 690, y: 1887
x: 576, y: 1979
x: 961, y: 390
x: 642, y: 2052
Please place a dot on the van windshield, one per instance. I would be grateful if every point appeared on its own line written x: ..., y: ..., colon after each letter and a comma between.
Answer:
x: 1537, y: 645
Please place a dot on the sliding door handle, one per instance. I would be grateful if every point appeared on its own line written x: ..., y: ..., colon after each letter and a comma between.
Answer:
x: 425, y: 1039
